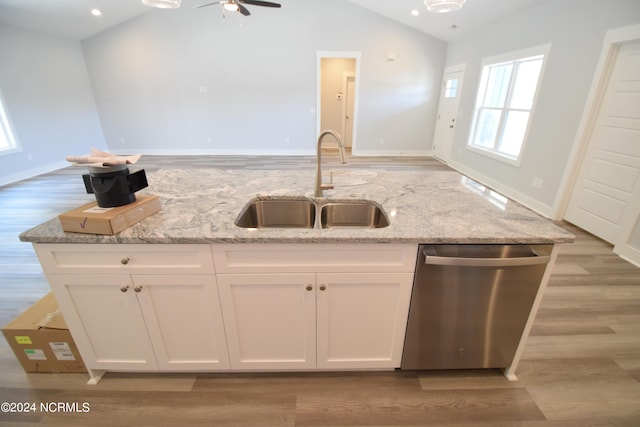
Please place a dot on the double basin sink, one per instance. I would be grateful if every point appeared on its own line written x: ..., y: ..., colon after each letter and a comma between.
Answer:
x: 289, y: 212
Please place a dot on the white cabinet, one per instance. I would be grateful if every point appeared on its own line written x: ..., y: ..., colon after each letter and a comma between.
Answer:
x: 233, y: 306
x: 139, y: 322
x: 361, y: 319
x: 105, y: 320
x: 270, y: 320
x: 299, y: 315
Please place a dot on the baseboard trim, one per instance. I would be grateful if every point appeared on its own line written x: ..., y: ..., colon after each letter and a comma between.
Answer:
x: 30, y: 173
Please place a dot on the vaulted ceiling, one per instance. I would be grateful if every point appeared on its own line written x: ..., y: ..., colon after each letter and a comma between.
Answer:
x: 72, y: 18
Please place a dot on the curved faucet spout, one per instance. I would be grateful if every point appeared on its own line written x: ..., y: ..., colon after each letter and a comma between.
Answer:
x: 319, y: 185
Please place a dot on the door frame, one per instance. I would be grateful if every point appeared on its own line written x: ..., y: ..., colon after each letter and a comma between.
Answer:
x: 320, y: 55
x: 610, y: 46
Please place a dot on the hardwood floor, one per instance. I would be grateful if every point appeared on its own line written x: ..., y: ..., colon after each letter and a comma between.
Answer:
x: 581, y: 366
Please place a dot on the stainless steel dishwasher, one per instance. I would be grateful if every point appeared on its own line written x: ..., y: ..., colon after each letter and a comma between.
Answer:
x: 470, y: 304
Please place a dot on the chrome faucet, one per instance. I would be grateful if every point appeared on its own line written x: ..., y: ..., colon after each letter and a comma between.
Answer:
x: 319, y: 185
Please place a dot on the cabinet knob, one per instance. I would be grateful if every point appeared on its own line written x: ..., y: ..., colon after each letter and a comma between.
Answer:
x: 323, y: 287
x: 138, y: 288
x: 309, y: 287
x: 124, y: 288
x: 125, y: 260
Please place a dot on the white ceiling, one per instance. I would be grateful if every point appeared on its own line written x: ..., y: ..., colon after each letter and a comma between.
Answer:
x: 475, y: 14
x: 72, y: 18
x: 68, y: 18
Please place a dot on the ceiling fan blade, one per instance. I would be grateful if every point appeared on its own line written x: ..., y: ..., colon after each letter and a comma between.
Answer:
x: 207, y: 4
x: 259, y: 3
x: 243, y: 10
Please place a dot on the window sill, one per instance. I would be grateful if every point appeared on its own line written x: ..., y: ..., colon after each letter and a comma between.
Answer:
x: 7, y: 151
x: 513, y: 161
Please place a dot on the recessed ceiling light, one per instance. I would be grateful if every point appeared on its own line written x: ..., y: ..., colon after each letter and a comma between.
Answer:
x: 96, y: 12
x: 415, y: 12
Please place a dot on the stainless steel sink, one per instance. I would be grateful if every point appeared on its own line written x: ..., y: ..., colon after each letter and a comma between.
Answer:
x: 356, y: 213
x: 281, y: 212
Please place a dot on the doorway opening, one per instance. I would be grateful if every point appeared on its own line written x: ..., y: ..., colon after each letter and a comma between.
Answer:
x: 337, y: 94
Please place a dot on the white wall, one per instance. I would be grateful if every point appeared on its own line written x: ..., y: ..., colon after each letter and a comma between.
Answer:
x: 48, y: 96
x: 260, y: 78
x: 575, y: 29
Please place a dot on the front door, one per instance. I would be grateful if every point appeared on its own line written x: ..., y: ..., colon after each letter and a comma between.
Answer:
x: 605, y: 198
x: 447, y: 111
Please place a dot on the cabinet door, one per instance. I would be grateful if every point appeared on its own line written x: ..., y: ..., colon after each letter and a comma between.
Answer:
x: 104, y: 317
x: 270, y: 320
x: 184, y: 321
x: 362, y: 319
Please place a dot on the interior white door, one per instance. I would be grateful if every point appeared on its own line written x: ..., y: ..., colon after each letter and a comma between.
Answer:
x: 604, y: 199
x: 349, y: 105
x: 447, y: 111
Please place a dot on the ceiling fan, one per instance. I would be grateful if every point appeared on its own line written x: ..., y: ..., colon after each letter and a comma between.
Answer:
x: 237, y: 5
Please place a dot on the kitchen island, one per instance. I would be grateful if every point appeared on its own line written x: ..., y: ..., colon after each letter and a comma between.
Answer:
x: 188, y: 290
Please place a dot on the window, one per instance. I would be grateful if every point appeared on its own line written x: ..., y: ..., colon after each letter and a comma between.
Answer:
x: 451, y: 88
x: 506, y: 98
x: 7, y: 140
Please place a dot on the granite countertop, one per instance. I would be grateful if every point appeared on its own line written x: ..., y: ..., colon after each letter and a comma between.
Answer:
x: 200, y: 206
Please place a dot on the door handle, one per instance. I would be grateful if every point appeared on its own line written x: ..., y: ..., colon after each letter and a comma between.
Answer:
x: 430, y: 258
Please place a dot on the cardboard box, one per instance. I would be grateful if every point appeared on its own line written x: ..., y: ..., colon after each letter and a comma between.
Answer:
x: 41, y: 340
x: 92, y: 219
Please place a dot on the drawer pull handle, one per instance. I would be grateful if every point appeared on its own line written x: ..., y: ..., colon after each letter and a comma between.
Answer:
x: 309, y: 287
x: 124, y: 288
x: 125, y: 261
x: 323, y: 287
x: 138, y: 288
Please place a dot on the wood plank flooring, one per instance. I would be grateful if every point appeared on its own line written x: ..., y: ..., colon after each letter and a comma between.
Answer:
x: 581, y: 365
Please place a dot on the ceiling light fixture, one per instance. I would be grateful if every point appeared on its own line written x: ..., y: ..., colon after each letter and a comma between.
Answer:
x: 231, y: 6
x: 96, y: 12
x: 415, y: 12
x: 443, y: 6
x: 163, y: 4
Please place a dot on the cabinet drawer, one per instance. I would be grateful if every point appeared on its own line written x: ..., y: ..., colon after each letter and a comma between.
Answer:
x: 298, y: 258
x: 138, y: 259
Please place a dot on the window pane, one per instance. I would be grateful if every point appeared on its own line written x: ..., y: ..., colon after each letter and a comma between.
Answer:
x: 498, y: 85
x: 4, y: 139
x: 525, y: 86
x: 451, y: 88
x: 7, y: 141
x: 514, y: 130
x: 487, y: 128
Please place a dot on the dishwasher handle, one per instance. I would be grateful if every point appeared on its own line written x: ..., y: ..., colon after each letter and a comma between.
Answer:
x: 430, y: 258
